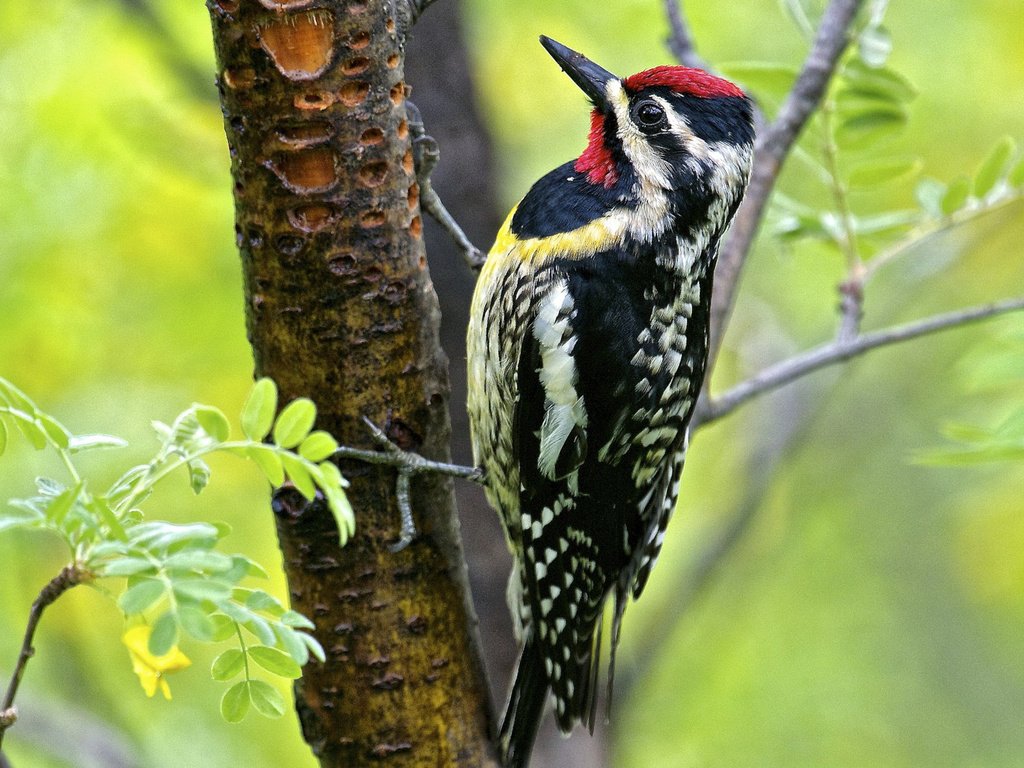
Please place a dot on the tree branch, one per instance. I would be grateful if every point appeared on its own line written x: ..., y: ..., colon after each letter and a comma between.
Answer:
x: 680, y: 41
x: 838, y: 351
x: 770, y: 150
x: 69, y: 576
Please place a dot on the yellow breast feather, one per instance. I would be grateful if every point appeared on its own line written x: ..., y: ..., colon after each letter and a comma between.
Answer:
x: 602, y: 233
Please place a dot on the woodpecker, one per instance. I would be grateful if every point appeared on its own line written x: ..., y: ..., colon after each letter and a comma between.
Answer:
x: 587, y: 345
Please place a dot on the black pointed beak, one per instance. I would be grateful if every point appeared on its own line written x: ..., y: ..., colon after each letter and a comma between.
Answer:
x: 591, y: 78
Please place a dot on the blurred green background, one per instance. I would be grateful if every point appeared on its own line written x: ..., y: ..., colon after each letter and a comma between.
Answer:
x: 872, y: 614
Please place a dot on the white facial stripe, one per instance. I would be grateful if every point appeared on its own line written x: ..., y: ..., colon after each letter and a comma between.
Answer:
x: 647, y: 220
x: 650, y: 166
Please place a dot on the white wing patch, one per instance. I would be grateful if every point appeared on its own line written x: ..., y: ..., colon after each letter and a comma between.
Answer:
x: 564, y: 410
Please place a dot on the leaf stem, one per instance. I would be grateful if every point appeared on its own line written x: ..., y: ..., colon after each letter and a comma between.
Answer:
x: 244, y: 649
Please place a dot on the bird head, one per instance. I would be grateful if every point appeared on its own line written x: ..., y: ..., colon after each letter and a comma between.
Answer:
x: 662, y: 124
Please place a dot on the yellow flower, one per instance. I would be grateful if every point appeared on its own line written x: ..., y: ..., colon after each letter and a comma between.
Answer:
x: 152, y: 669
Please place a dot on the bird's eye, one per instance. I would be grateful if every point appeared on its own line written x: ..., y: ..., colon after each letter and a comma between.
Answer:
x: 649, y: 114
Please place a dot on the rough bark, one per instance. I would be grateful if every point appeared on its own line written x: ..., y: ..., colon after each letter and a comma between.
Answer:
x: 341, y: 309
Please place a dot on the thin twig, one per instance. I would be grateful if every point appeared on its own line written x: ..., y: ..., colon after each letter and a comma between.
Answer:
x: 69, y: 576
x: 680, y: 41
x: 838, y: 351
x: 932, y: 229
x: 770, y: 150
x: 851, y: 290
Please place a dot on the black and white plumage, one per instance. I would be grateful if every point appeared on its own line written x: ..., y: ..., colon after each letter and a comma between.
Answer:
x: 586, y: 351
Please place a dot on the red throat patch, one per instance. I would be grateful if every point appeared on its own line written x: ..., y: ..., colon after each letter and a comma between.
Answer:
x: 685, y: 80
x: 597, y: 161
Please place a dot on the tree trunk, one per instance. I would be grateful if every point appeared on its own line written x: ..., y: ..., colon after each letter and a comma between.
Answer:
x: 341, y: 309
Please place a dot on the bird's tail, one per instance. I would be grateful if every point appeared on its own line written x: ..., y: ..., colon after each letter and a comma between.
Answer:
x: 525, y: 707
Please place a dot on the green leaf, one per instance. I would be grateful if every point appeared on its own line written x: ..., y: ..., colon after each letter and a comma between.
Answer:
x: 101, y: 510
x: 872, y: 172
x: 318, y: 446
x: 966, y: 433
x: 851, y: 105
x: 227, y: 665
x: 275, y: 661
x: 199, y: 560
x: 32, y: 518
x: 157, y: 535
x: 292, y: 643
x: 299, y: 473
x: 956, y: 196
x: 59, y: 507
x: 259, y: 409
x: 337, y: 500
x: 267, y: 700
x: 79, y: 443
x: 249, y: 567
x: 16, y: 397
x: 295, y: 422
x: 141, y: 596
x: 213, y: 421
x: 880, y: 82
x: 314, y: 646
x: 125, y: 566
x: 198, y: 475
x: 29, y: 428
x: 269, y: 461
x: 1012, y: 426
x: 794, y: 226
x: 884, y: 223
x: 798, y: 14
x: 56, y: 431
x: 3, y: 437
x: 929, y: 193
x: 234, y: 705
x: 258, y: 600
x: 763, y: 77
x: 202, y: 589
x: 1016, y: 175
x: 123, y: 485
x: 260, y: 628
x: 972, y: 455
x: 297, y: 620
x: 994, y: 166
x: 875, y: 45
x: 223, y: 627
x: 196, y: 622
x: 165, y: 634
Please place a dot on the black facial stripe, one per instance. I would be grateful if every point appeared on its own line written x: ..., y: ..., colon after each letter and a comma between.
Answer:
x: 719, y: 118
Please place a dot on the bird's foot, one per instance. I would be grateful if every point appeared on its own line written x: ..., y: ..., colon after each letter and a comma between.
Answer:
x: 408, y: 464
x: 425, y: 155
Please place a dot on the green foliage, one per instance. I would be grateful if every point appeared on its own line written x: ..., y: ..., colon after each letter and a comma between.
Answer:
x: 866, y: 108
x: 176, y: 582
x: 1001, y: 384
